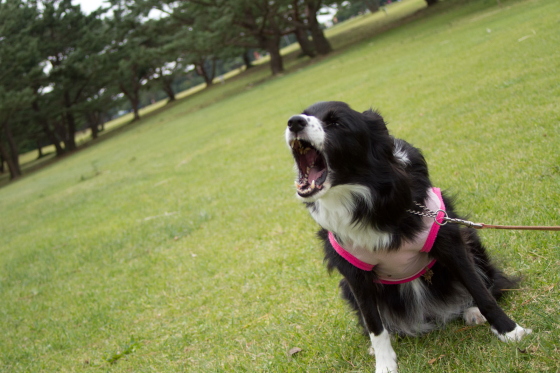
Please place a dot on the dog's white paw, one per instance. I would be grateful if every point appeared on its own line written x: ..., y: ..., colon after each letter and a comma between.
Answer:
x: 385, y: 356
x: 472, y: 316
x: 385, y: 363
x: 386, y: 367
x: 515, y: 335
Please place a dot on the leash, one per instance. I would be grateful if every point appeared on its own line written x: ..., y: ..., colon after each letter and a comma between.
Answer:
x: 426, y: 212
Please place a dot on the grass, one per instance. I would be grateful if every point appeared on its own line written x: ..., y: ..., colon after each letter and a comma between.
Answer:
x: 178, y: 245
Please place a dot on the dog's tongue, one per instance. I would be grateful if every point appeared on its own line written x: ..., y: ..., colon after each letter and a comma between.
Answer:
x: 315, y: 173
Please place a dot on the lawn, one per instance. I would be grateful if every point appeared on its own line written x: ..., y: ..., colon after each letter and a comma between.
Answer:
x: 178, y: 245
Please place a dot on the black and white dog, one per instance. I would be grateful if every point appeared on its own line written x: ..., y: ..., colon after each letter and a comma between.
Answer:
x: 403, y: 273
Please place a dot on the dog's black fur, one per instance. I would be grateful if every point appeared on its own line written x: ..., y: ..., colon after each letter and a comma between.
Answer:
x: 358, y: 167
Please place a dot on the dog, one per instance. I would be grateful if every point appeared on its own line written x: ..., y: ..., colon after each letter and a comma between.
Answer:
x: 404, y: 270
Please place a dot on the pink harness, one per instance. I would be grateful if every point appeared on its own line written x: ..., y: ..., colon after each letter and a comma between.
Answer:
x: 407, y: 263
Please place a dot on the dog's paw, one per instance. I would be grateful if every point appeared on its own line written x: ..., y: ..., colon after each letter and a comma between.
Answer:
x: 472, y: 316
x: 386, y: 364
x: 514, y: 336
x: 385, y: 356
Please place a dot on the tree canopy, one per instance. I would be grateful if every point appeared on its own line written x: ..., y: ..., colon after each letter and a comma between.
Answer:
x: 62, y: 71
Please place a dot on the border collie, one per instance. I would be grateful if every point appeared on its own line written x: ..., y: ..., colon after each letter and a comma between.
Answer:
x: 403, y: 273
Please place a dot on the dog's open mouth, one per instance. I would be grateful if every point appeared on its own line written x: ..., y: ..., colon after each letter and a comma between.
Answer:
x: 312, y: 168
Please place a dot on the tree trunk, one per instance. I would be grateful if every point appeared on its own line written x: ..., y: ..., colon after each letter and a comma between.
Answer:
x: 322, y: 45
x: 94, y: 130
x: 372, y: 5
x: 431, y: 2
x: 11, y: 166
x: 93, y: 123
x: 203, y: 72
x: 135, y: 109
x: 51, y: 135
x: 13, y: 148
x: 53, y: 138
x: 10, y: 155
x: 301, y: 33
x: 168, y: 89
x: 304, y: 43
x: 268, y: 35
x: 247, y: 60
x: 276, y: 63
x: 133, y: 99
x: 70, y: 140
x: 39, y: 148
x: 272, y: 45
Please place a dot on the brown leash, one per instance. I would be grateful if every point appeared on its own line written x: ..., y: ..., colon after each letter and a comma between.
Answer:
x: 446, y: 219
x: 521, y: 227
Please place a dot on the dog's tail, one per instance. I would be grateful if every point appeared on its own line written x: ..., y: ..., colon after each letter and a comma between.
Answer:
x: 501, y: 283
x: 496, y: 281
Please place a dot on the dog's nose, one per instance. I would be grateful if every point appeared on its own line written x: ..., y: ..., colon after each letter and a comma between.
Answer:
x: 297, y: 123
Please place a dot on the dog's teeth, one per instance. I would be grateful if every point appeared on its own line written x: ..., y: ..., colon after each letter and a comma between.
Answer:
x: 312, y: 185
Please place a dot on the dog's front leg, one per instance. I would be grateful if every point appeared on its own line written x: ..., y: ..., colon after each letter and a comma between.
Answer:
x: 463, y: 267
x: 385, y: 356
x: 363, y: 290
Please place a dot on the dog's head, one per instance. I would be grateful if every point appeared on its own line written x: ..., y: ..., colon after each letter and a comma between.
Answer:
x: 333, y: 145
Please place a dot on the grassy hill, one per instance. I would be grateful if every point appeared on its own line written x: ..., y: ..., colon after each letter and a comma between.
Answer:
x: 177, y: 244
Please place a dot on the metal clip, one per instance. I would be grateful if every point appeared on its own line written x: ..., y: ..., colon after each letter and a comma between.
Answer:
x: 466, y: 223
x: 446, y: 219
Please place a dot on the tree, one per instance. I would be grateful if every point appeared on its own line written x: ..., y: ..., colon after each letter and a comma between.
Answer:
x: 196, y: 42
x: 321, y: 43
x: 129, y: 55
x: 168, y: 60
x: 43, y: 108
x: 71, y: 42
x: 258, y: 23
x: 192, y: 35
x: 301, y: 30
x: 373, y: 5
x: 267, y: 21
x: 12, y: 105
x: 351, y: 8
x: 20, y: 63
x: 213, y: 30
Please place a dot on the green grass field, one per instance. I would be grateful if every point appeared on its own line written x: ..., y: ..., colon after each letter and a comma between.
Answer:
x: 177, y: 245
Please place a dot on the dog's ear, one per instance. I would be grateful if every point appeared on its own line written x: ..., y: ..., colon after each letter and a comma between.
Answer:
x: 372, y: 114
x: 375, y: 119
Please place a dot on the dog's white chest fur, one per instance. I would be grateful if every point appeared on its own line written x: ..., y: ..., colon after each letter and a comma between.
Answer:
x: 334, y: 212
